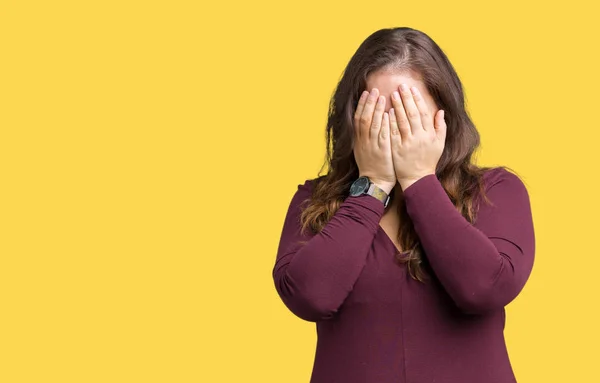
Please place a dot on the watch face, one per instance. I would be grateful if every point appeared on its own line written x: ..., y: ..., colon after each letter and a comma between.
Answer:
x: 359, y: 186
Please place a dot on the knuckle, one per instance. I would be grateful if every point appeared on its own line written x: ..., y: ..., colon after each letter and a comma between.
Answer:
x: 411, y: 114
x: 364, y: 120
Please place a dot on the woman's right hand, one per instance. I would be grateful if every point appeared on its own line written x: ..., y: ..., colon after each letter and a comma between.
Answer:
x: 372, y: 144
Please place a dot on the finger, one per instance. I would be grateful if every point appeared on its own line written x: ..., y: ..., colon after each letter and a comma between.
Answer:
x: 384, y: 134
x: 377, y: 118
x: 359, y: 110
x: 440, y: 125
x: 412, y: 113
x: 367, y: 114
x: 425, y: 115
x: 400, y: 116
x: 396, y: 138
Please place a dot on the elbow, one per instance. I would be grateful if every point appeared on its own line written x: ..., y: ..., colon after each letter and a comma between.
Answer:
x: 311, y: 310
x: 479, y: 302
x: 304, y: 303
x: 484, y: 299
x: 492, y: 292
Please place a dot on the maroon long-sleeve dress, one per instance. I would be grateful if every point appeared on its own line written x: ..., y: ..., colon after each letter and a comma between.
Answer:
x: 375, y: 324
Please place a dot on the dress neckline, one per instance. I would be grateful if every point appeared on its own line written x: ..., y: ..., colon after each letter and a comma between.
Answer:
x: 389, y: 240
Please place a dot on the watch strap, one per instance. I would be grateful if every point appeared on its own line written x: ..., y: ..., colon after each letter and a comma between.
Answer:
x: 378, y: 193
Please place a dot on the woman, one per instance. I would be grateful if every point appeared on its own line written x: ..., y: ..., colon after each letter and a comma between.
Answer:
x: 405, y: 253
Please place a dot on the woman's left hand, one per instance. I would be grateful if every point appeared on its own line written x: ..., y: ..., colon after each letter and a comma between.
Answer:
x: 417, y: 138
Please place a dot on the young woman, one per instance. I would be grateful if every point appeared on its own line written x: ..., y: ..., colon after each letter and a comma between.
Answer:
x: 405, y: 253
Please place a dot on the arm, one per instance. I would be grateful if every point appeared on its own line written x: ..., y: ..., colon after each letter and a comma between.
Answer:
x: 314, y: 279
x: 483, y: 266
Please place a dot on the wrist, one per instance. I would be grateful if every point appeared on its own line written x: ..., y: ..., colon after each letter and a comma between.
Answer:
x: 406, y: 182
x: 385, y: 186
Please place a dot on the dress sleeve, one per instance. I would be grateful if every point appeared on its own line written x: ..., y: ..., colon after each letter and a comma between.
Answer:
x: 314, y: 278
x: 482, y: 266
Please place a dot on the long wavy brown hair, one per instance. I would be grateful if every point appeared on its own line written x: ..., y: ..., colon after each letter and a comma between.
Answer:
x: 399, y: 49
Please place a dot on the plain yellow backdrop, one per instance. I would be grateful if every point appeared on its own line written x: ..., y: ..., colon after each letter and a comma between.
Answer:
x: 149, y: 151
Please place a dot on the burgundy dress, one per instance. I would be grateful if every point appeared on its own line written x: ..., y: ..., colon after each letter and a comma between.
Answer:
x: 374, y: 323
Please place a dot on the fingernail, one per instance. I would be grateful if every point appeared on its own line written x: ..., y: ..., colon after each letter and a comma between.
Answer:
x: 396, y: 95
x: 403, y: 87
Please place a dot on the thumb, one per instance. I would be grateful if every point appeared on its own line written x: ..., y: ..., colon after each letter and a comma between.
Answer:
x: 440, y: 125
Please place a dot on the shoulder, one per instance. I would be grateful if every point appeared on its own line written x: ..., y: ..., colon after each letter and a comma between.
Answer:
x: 507, y: 212
x: 504, y: 191
x: 305, y: 190
x: 502, y: 179
x: 307, y: 186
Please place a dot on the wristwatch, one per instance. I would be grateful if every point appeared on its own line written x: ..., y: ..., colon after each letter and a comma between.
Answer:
x: 363, y: 185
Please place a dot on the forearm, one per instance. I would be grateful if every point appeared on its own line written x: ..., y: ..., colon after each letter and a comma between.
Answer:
x: 313, y: 279
x: 479, y: 271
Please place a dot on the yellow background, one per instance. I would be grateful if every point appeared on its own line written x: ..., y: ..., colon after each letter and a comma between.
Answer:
x: 149, y: 151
